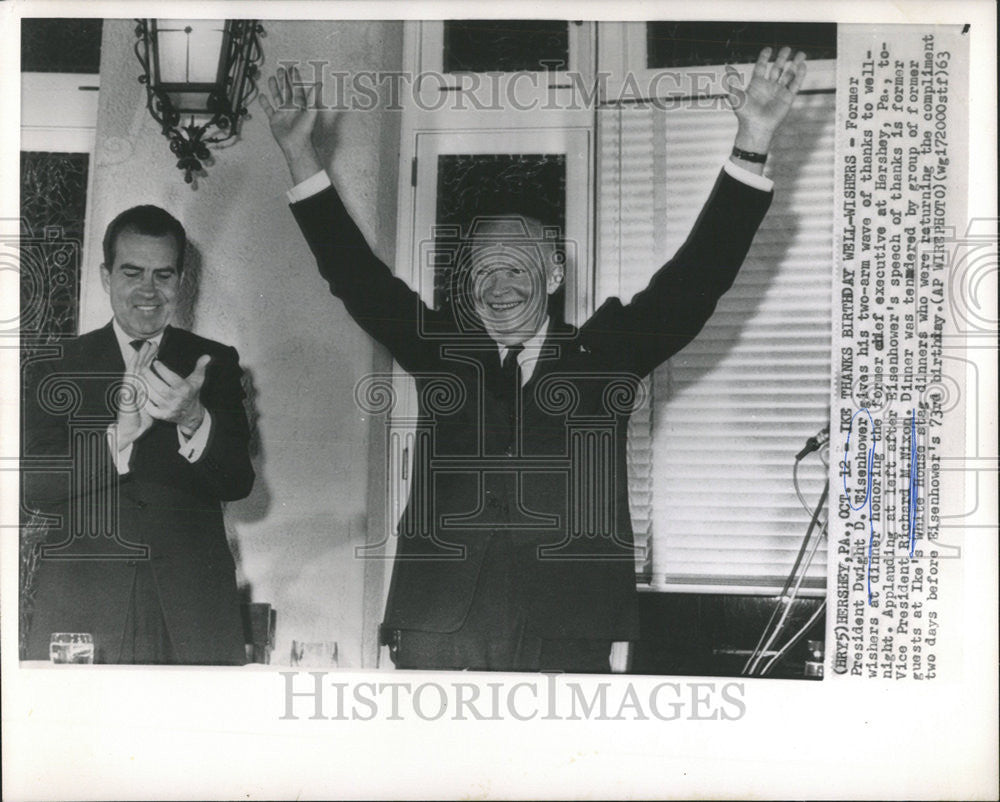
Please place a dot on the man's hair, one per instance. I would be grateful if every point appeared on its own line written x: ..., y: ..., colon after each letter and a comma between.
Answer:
x: 149, y: 220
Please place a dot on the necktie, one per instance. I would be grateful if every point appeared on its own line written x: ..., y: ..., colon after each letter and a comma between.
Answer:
x: 510, y: 389
x: 137, y: 345
x: 510, y: 371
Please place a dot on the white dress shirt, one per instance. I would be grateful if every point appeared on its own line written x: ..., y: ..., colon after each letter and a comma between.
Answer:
x: 528, y: 358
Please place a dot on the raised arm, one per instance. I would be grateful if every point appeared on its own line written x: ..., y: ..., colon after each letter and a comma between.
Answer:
x: 761, y: 107
x: 682, y: 295
x: 383, y: 305
x: 292, y: 117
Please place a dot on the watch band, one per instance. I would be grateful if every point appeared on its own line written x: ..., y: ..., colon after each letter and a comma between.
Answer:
x: 750, y: 156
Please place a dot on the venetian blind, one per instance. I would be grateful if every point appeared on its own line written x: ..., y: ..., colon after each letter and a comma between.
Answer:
x: 732, y: 409
x: 626, y: 241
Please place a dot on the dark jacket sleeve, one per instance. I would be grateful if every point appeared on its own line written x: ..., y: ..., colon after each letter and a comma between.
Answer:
x: 383, y: 305
x: 682, y: 295
x: 224, y: 466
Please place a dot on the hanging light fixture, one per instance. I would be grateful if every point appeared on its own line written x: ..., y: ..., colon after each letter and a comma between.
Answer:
x: 200, y: 76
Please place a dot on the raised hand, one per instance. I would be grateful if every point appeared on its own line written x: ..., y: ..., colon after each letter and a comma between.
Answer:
x: 291, y: 113
x: 175, y: 398
x: 761, y: 107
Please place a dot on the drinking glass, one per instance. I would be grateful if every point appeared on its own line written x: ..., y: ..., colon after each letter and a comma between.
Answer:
x: 71, y: 647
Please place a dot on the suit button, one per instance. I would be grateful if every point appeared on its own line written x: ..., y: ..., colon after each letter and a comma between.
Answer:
x: 510, y: 451
x: 141, y: 505
x: 131, y: 563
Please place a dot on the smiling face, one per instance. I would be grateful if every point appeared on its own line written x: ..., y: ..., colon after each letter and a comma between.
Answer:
x: 143, y: 282
x: 510, y: 281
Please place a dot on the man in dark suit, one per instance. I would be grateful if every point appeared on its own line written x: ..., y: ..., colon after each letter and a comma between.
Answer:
x: 133, y: 436
x: 515, y: 551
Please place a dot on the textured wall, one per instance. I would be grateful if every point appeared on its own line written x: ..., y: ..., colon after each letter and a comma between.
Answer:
x: 258, y: 289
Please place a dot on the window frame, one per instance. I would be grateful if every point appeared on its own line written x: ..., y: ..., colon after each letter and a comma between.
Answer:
x: 623, y: 53
x: 625, y: 80
x: 427, y: 42
x: 59, y: 112
x: 427, y: 130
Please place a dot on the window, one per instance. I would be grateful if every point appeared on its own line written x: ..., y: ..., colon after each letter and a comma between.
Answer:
x: 498, y: 73
x: 711, y: 458
x: 505, y: 45
x: 59, y: 89
x: 458, y: 177
x: 686, y: 44
x: 491, y: 126
x: 61, y: 45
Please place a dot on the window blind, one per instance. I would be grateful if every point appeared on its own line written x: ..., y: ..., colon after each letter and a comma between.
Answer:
x: 712, y: 459
x: 626, y: 241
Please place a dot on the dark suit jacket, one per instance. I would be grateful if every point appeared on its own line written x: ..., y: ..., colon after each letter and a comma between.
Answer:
x: 166, y: 509
x: 548, y: 471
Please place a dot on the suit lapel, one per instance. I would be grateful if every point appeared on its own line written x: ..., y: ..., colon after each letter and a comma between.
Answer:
x: 100, y: 368
x: 168, y: 344
x: 103, y: 354
x: 174, y: 352
x: 491, y: 369
x: 554, y: 350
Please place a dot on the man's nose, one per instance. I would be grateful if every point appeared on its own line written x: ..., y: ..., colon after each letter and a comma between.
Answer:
x: 495, y: 285
x: 148, y: 283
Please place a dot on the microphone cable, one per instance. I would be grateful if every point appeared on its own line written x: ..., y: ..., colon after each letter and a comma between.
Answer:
x: 812, y: 445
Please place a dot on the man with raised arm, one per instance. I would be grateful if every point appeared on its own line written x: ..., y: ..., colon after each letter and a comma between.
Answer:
x: 515, y: 551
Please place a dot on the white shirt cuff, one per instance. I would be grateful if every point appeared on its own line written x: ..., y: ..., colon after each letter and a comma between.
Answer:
x: 313, y: 185
x: 744, y: 175
x: 193, y: 447
x: 120, y: 458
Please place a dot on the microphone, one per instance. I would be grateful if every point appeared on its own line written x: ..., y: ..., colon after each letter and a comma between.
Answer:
x: 815, y: 443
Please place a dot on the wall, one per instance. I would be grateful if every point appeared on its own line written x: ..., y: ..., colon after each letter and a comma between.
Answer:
x: 259, y: 290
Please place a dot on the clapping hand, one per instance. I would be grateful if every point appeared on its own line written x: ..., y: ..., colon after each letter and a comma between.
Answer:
x: 175, y: 398
x: 133, y: 416
x: 761, y: 107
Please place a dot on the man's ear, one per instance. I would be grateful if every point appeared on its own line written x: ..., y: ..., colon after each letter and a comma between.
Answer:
x: 555, y: 278
x: 105, y: 278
